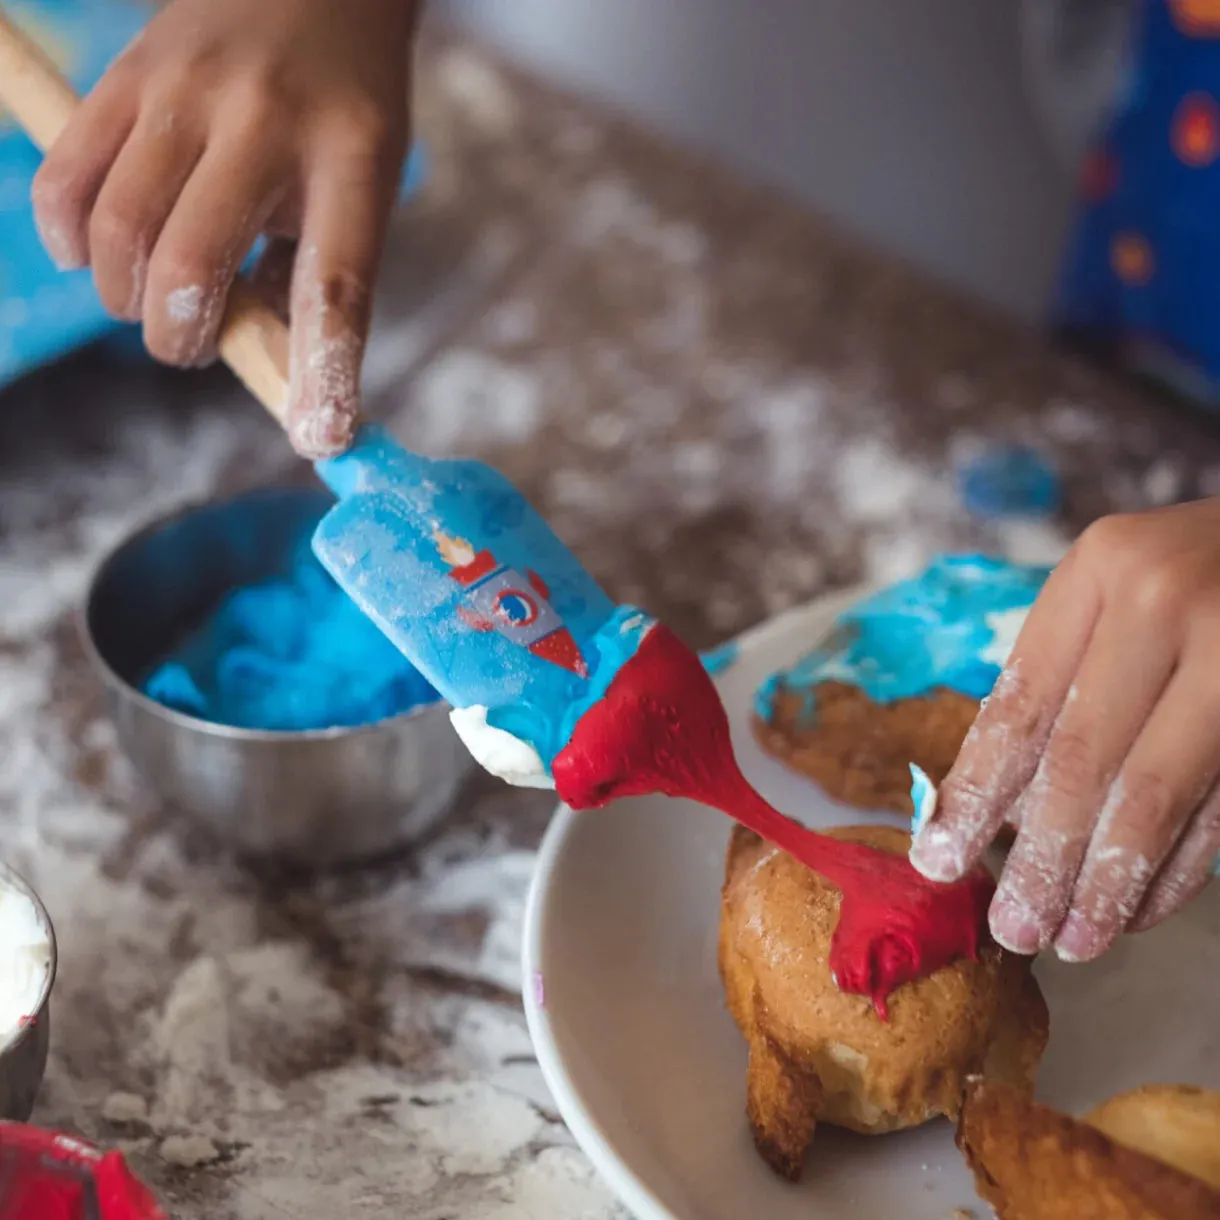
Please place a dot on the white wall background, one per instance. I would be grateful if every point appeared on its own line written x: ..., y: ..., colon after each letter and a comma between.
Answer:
x: 905, y: 120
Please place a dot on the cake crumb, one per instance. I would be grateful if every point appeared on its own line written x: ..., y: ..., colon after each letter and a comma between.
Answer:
x: 189, y: 1151
x: 124, y: 1108
x: 962, y: 1213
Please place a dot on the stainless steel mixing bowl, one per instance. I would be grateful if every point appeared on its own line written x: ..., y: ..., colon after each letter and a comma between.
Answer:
x: 23, y: 1059
x: 317, y: 798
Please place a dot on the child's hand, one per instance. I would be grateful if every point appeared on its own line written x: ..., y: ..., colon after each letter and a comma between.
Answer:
x: 223, y: 120
x: 1102, y: 738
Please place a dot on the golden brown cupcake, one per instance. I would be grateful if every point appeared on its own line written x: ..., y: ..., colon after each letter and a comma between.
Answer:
x: 898, y: 680
x: 818, y: 1054
x: 1151, y: 1154
x: 858, y: 751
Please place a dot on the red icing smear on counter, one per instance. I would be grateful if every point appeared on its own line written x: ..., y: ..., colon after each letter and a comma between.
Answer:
x: 661, y: 727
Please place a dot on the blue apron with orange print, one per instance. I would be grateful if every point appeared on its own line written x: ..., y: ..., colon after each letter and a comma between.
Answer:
x: 1142, y: 273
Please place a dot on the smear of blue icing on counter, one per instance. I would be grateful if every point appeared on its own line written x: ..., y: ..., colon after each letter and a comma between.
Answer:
x: 950, y: 627
x: 1009, y: 481
x: 717, y: 660
x: 289, y: 654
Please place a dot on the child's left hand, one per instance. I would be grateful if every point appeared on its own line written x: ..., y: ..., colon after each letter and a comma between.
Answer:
x: 1101, y: 742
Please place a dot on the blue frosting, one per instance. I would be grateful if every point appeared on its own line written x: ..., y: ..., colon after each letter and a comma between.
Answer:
x: 293, y: 653
x: 923, y: 798
x: 717, y: 660
x: 933, y: 631
x: 548, y: 728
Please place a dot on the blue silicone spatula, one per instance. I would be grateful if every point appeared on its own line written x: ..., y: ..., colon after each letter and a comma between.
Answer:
x: 446, y: 557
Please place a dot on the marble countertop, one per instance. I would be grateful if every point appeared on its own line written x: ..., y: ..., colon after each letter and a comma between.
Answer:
x: 724, y: 406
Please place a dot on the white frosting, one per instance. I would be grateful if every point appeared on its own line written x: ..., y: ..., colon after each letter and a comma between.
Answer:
x: 504, y: 755
x: 1005, y: 627
x: 25, y: 960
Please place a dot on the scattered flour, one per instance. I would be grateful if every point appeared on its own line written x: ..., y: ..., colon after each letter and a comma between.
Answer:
x: 789, y: 421
x: 479, y: 89
x: 465, y: 391
x: 610, y: 208
x: 1072, y: 423
x: 189, y: 1151
x: 511, y: 322
x: 875, y: 484
x: 184, y: 305
x: 1163, y: 482
x: 1030, y: 541
x: 125, y: 1108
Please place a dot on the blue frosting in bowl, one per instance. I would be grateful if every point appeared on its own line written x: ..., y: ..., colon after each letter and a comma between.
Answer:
x: 291, y: 653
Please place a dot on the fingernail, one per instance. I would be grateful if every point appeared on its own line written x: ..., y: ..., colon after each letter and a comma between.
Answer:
x: 1078, y: 940
x: 324, y: 432
x: 61, y: 250
x: 937, y: 854
x: 1015, y: 926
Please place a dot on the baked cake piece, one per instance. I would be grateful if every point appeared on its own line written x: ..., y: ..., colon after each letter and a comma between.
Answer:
x: 1150, y: 1154
x: 822, y: 1055
x: 898, y: 681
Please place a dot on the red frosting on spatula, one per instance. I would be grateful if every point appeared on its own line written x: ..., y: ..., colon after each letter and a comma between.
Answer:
x: 661, y: 728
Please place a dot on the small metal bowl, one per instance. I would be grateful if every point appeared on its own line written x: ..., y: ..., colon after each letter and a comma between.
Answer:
x: 315, y: 799
x: 23, y: 1059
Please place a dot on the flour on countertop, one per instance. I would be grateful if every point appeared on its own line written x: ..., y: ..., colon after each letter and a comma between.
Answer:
x: 480, y: 90
x: 465, y: 392
x: 1163, y: 482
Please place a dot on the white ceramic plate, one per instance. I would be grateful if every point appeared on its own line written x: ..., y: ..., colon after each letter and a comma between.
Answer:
x: 626, y: 1013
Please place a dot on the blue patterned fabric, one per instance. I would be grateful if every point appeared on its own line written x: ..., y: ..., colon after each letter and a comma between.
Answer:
x: 1142, y: 272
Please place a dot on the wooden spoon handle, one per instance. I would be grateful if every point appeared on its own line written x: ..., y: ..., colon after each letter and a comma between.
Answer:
x: 253, y: 340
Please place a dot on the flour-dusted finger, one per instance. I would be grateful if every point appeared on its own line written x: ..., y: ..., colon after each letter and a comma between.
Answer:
x: 77, y: 164
x: 1194, y: 861
x: 1167, y: 775
x: 350, y: 192
x: 1114, y: 693
x: 133, y: 205
x: 213, y: 227
x: 1165, y: 778
x: 1001, y: 751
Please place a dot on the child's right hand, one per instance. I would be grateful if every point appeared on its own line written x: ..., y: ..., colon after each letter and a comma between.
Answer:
x: 1103, y: 736
x: 226, y: 119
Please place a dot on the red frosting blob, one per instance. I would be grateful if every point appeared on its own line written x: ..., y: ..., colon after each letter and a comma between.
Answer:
x: 661, y: 727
